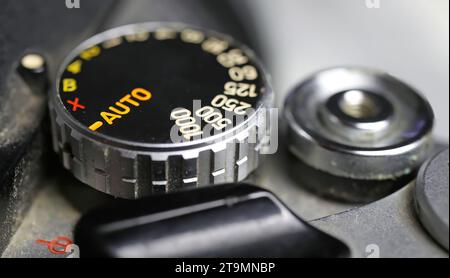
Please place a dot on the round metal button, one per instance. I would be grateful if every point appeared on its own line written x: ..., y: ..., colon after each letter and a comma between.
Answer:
x: 358, y: 123
x: 432, y: 196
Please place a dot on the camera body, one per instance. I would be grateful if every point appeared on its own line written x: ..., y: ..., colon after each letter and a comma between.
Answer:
x: 339, y: 177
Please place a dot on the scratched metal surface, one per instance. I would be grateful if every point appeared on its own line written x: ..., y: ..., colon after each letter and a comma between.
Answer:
x: 406, y: 38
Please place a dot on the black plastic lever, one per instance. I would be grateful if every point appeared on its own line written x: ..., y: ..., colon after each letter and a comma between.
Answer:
x: 234, y: 220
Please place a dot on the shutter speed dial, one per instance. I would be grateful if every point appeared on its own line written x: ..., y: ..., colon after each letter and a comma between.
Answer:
x: 152, y: 108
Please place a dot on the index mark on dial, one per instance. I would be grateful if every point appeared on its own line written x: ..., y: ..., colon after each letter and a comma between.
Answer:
x: 95, y: 126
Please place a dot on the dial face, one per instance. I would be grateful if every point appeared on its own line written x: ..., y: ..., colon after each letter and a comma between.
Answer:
x: 160, y: 85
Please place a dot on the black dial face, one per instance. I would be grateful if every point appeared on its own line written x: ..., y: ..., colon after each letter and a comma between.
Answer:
x: 160, y: 86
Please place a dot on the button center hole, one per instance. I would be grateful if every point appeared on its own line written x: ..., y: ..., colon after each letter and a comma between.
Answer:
x: 359, y: 105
